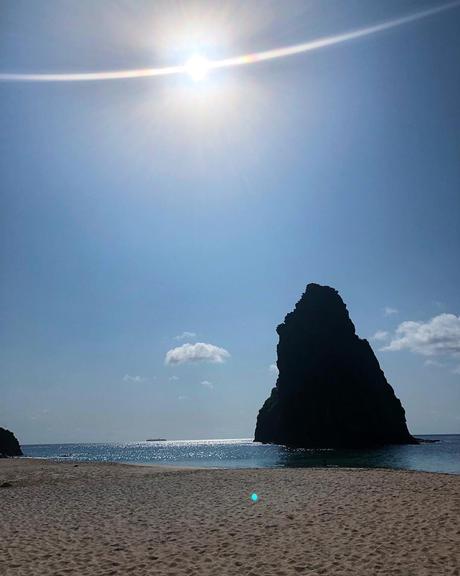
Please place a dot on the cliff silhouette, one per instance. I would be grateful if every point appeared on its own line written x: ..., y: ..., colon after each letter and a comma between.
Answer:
x: 331, y: 391
x: 9, y: 446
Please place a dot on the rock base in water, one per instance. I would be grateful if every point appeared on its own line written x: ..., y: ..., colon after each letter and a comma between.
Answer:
x: 9, y: 446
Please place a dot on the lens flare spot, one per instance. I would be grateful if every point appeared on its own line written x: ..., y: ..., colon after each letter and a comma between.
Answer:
x: 254, y: 497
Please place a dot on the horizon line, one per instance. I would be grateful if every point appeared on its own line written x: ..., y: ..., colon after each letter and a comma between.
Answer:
x: 204, y: 440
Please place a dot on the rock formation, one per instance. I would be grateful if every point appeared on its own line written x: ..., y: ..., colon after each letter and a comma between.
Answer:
x: 330, y: 391
x: 9, y: 446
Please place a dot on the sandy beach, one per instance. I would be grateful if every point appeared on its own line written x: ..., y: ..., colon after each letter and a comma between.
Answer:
x: 58, y: 518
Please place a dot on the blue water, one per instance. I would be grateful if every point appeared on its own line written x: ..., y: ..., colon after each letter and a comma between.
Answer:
x: 442, y: 456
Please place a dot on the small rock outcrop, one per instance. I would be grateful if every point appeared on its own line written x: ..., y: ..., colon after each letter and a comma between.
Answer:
x: 330, y: 392
x: 9, y: 446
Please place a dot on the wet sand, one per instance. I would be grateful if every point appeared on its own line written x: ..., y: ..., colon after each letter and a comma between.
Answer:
x: 105, y: 519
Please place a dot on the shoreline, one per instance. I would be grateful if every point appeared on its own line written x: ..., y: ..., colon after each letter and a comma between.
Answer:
x: 96, y: 519
x: 69, y: 460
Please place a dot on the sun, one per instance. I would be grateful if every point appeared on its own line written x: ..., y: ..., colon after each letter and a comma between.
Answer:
x: 197, y: 67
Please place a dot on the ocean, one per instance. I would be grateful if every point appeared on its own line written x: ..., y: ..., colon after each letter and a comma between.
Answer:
x: 441, y: 456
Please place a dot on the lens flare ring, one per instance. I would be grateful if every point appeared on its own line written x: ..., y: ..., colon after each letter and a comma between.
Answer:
x: 198, y: 67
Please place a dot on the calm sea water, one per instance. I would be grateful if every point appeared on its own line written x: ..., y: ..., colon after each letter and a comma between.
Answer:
x: 442, y: 456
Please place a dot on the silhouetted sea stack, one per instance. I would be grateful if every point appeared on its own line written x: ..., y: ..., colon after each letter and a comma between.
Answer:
x: 9, y: 446
x: 330, y: 391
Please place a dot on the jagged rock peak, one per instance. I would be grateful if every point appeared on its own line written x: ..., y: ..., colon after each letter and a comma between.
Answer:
x: 330, y: 390
x: 319, y: 310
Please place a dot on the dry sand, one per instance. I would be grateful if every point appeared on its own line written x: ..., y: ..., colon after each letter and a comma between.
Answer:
x: 100, y: 519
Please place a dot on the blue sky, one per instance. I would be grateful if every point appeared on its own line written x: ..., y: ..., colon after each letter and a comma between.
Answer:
x: 133, y: 211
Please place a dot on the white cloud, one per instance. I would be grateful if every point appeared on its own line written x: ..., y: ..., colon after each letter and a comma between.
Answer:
x: 389, y: 311
x: 173, y: 378
x: 380, y: 335
x: 133, y: 379
x: 440, y: 335
x: 198, y: 352
x: 185, y: 336
x: 207, y: 384
x: 273, y: 369
x: 181, y: 398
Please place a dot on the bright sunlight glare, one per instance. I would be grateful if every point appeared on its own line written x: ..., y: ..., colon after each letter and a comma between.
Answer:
x: 197, y: 67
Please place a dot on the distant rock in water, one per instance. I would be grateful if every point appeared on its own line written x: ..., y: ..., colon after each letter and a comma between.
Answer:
x: 9, y: 446
x: 330, y: 391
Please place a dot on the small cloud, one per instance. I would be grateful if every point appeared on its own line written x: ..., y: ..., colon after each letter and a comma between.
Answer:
x: 182, y: 398
x: 456, y: 370
x: 173, y: 378
x: 185, y: 336
x: 273, y: 369
x: 434, y: 363
x: 207, y: 384
x: 199, y: 352
x: 389, y: 311
x: 440, y: 335
x: 133, y: 379
x: 380, y: 335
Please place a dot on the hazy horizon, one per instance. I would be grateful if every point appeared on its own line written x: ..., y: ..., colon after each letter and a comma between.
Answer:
x: 144, y: 440
x: 155, y: 231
